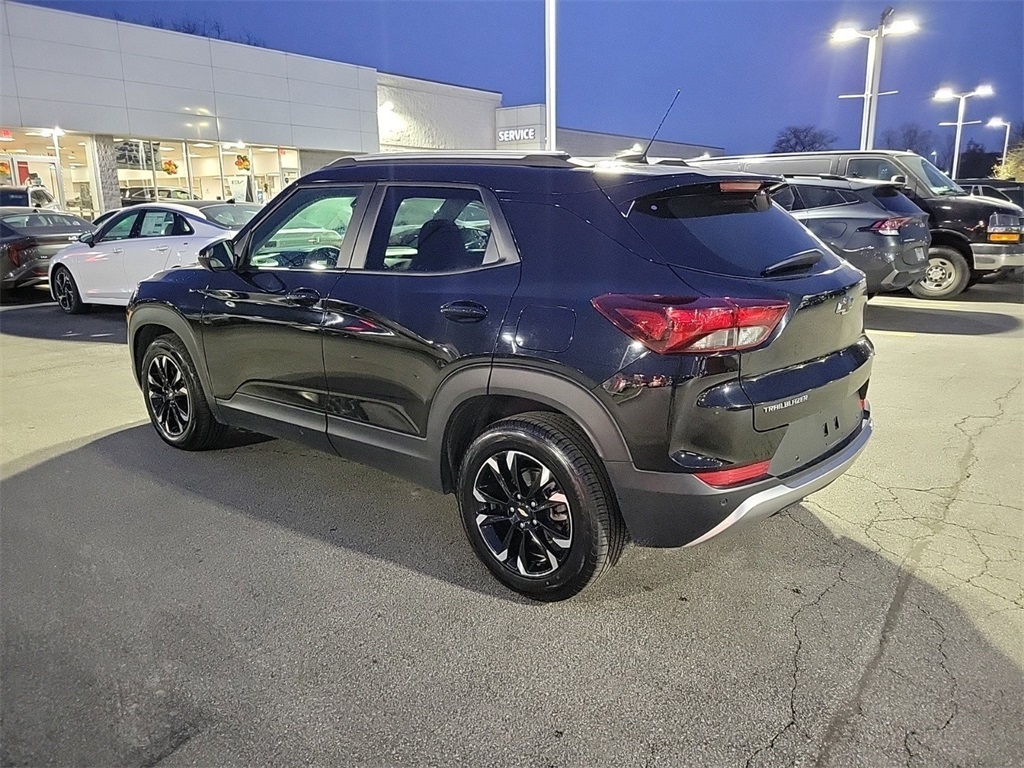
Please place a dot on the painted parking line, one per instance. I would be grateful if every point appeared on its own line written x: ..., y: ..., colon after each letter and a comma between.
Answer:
x: 890, y: 333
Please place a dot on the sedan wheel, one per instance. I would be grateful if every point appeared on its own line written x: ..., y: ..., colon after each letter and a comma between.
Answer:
x: 66, y: 292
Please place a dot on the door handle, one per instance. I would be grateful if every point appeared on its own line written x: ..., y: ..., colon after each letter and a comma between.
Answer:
x: 117, y: 250
x: 464, y: 311
x: 302, y: 297
x: 160, y: 248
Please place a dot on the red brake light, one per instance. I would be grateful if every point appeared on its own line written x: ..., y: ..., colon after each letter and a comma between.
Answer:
x: 667, y: 324
x: 739, y: 186
x: 720, y: 478
x: 890, y: 226
x: 14, y: 252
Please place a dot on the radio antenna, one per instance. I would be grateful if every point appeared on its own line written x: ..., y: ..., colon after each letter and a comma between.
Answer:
x: 643, y: 155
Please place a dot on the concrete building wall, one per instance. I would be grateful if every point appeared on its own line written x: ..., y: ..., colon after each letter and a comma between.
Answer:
x: 100, y: 76
x: 420, y: 114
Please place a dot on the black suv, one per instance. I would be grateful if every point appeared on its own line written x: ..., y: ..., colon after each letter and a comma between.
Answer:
x: 580, y: 353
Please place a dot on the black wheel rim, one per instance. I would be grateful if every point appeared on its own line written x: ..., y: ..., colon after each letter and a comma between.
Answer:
x: 168, y: 394
x: 64, y: 289
x: 522, y: 514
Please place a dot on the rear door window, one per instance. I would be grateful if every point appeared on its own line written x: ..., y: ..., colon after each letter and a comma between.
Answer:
x: 731, y: 233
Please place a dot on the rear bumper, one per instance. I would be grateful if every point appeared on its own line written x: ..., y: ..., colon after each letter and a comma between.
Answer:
x: 897, y: 279
x: 34, y: 273
x: 663, y: 509
x: 990, y: 256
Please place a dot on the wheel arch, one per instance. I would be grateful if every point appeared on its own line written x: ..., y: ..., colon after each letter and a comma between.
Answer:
x: 149, y: 321
x: 469, y: 402
x: 955, y: 240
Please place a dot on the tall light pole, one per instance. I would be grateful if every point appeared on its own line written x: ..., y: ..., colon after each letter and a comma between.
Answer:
x: 947, y: 94
x: 998, y: 122
x: 550, y: 123
x: 873, y: 73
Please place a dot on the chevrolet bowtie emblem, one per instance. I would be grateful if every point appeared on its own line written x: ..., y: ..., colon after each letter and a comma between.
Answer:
x: 844, y: 305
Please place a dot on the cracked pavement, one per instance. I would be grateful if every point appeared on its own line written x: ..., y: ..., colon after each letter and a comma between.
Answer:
x: 266, y: 604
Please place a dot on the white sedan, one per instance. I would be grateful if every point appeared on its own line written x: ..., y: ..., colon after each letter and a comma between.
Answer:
x: 129, y: 246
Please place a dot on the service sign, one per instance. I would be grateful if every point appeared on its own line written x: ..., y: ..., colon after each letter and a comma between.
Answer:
x: 517, y: 134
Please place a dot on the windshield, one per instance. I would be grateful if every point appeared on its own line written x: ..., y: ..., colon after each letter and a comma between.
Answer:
x: 937, y: 181
x: 230, y: 215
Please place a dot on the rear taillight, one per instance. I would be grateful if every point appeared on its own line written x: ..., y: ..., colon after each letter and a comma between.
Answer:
x: 891, y: 226
x: 666, y: 324
x: 17, y: 251
x: 722, y: 478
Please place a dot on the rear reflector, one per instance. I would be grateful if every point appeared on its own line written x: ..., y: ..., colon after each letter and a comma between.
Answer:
x: 667, y: 325
x: 890, y: 226
x: 722, y: 478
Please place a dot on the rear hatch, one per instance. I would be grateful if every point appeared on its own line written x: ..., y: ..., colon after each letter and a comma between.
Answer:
x: 725, y: 238
x: 906, y: 217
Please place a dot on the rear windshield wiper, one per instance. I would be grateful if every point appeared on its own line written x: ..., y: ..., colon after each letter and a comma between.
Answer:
x: 801, y: 261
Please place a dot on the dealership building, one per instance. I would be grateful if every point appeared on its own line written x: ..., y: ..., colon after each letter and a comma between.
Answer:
x: 96, y: 110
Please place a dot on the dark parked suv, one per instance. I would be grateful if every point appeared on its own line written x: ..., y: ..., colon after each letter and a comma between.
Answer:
x: 581, y: 354
x: 871, y: 224
x: 972, y: 237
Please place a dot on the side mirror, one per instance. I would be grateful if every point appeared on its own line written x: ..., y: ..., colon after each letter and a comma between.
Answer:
x: 89, y: 238
x: 899, y: 179
x: 218, y: 256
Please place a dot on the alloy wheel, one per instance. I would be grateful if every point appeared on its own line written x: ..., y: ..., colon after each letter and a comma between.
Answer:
x: 523, y: 515
x: 168, y: 395
x: 64, y: 287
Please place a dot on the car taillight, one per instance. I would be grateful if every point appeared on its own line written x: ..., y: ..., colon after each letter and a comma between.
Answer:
x: 891, y: 226
x: 666, y: 324
x: 722, y: 478
x: 17, y: 252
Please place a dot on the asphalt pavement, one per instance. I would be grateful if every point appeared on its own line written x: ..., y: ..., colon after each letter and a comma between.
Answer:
x: 270, y: 605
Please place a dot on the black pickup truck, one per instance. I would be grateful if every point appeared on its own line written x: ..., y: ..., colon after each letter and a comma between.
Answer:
x: 971, y: 236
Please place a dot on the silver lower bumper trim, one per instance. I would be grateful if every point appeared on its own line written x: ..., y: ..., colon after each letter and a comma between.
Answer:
x: 793, y: 489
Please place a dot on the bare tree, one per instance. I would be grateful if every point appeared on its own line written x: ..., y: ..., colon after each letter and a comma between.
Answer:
x: 201, y: 26
x: 803, y: 138
x: 909, y: 136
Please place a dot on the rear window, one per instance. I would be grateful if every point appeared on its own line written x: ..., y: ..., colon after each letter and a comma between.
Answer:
x: 46, y: 223
x: 823, y: 197
x: 893, y: 200
x: 731, y: 233
x: 14, y: 197
x: 232, y: 216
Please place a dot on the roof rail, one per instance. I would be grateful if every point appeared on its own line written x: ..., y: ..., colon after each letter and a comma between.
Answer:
x: 538, y: 158
x: 830, y: 176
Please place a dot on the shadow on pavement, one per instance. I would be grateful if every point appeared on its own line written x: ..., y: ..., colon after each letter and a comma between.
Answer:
x: 47, y: 321
x: 933, y: 319
x: 141, y: 610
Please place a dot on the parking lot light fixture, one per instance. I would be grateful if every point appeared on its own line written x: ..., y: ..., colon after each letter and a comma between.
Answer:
x: 948, y: 94
x: 998, y: 122
x: 872, y: 76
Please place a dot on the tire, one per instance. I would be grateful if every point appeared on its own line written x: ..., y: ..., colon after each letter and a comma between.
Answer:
x: 564, y: 529
x: 947, y: 276
x: 65, y: 291
x: 174, y: 397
